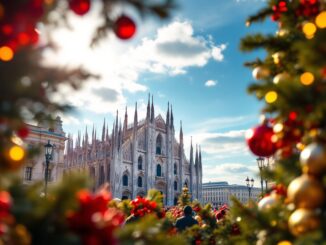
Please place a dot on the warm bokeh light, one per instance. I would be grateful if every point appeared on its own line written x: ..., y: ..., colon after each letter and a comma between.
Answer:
x: 6, y: 53
x: 284, y: 243
x: 309, y: 29
x: 307, y: 78
x: 278, y: 128
x: 16, y: 153
x: 321, y: 20
x: 271, y: 97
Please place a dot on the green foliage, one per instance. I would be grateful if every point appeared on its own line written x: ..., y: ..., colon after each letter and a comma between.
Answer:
x: 45, y: 216
x: 149, y: 230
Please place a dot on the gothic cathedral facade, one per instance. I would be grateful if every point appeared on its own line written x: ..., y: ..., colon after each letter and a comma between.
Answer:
x: 137, y: 157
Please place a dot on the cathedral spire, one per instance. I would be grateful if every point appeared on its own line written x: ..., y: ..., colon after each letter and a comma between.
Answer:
x: 125, y: 122
x: 148, y: 109
x: 152, y: 111
x: 191, y: 158
x: 196, y: 159
x: 107, y: 133
x: 168, y: 116
x: 199, y: 160
x: 103, y: 131
x: 86, y: 137
x: 172, y: 123
x: 135, y: 116
x: 181, y: 134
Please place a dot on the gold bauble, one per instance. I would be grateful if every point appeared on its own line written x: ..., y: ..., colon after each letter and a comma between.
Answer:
x: 267, y: 202
x: 277, y: 57
x: 313, y: 159
x: 281, y: 77
x: 302, y: 221
x: 260, y: 72
x: 306, y: 192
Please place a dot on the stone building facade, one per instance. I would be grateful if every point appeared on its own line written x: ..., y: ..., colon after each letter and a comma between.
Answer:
x: 219, y: 193
x: 34, y: 168
x: 137, y: 157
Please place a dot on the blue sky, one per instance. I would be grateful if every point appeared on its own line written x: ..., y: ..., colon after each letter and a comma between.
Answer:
x: 192, y: 60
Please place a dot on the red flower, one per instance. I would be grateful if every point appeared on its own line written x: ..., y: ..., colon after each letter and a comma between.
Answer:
x: 94, y: 221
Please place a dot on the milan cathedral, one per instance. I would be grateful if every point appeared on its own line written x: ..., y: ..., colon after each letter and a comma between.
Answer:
x: 138, y: 157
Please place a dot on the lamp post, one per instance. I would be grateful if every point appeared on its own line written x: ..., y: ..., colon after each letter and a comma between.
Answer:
x: 48, y: 155
x: 260, y: 162
x: 266, y: 166
x: 250, y: 184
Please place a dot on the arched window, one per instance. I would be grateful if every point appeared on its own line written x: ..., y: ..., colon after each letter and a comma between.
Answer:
x: 158, y: 170
x: 102, y: 176
x: 140, y: 181
x: 175, y: 185
x: 140, y: 163
x: 175, y: 168
x: 125, y: 180
x: 175, y: 201
x: 159, y: 145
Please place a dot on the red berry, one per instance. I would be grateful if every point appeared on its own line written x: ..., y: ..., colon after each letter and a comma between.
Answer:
x: 80, y: 7
x: 125, y: 27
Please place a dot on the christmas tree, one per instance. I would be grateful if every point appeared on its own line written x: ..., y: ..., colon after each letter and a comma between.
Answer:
x: 68, y: 213
x: 291, y: 80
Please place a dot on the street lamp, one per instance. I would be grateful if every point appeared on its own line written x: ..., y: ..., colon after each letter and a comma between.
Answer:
x: 48, y: 155
x: 260, y: 162
x: 250, y: 184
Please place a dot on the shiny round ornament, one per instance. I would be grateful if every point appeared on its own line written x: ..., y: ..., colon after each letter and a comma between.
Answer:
x: 125, y: 28
x: 80, y: 7
x: 260, y: 72
x: 281, y: 77
x: 267, y: 202
x: 306, y: 192
x: 313, y: 159
x: 259, y: 140
x: 303, y: 221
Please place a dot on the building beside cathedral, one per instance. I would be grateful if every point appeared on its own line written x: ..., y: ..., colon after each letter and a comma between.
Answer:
x: 137, y: 157
x: 35, y: 168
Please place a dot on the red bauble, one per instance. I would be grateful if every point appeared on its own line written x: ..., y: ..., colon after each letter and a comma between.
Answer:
x: 260, y: 142
x: 125, y: 27
x: 23, y: 132
x: 5, y: 204
x: 80, y: 7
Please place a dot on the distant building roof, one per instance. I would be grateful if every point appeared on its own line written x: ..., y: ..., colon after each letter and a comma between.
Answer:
x: 222, y: 184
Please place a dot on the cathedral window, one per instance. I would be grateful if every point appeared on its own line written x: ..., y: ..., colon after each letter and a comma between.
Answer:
x: 28, y: 173
x: 125, y: 180
x: 140, y: 181
x: 102, y: 175
x: 140, y: 163
x: 175, y: 185
x: 159, y: 145
x: 158, y: 170
x: 175, y: 201
x: 175, y: 169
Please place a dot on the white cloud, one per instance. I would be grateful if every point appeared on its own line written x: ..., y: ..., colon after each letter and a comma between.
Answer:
x: 233, y: 172
x: 172, y: 50
x: 217, y: 52
x: 210, y: 83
